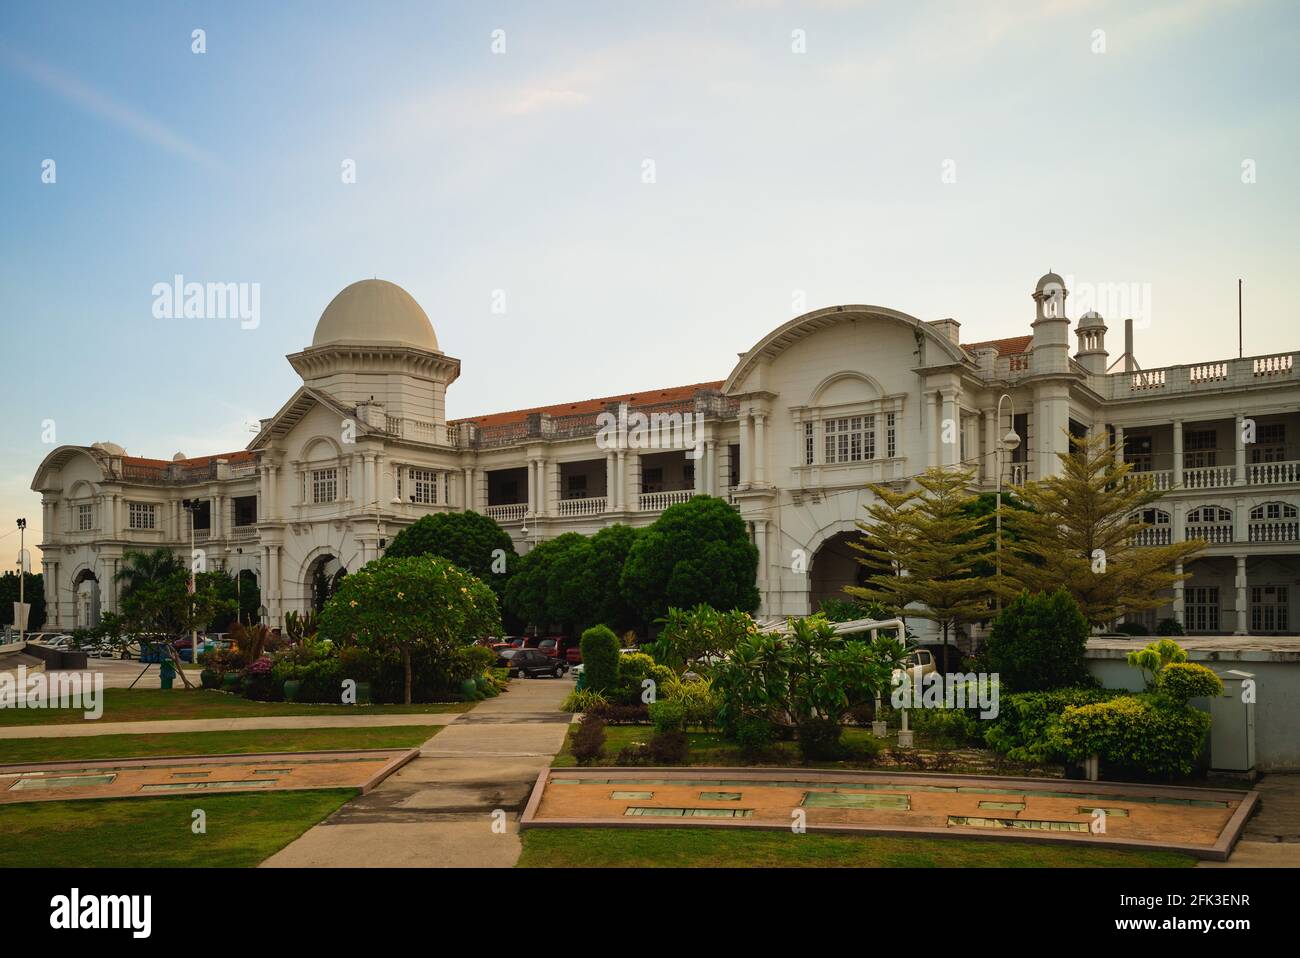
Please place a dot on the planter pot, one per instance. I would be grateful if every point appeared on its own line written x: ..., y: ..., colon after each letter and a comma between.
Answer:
x: 230, y: 681
x: 879, y: 729
x: 291, y: 688
x: 363, y: 693
x: 469, y: 689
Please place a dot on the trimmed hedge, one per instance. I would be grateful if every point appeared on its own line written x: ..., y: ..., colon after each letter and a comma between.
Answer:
x: 1182, y: 681
x: 600, y: 658
x: 1135, y: 732
x: 1038, y: 643
x: 1023, y: 730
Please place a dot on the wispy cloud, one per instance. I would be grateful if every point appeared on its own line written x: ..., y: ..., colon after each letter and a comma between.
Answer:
x: 105, y: 107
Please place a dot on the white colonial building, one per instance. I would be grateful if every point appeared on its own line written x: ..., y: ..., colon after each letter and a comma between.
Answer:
x: 809, y: 415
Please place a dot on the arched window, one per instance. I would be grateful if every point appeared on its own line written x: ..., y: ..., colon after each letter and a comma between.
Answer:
x: 1273, y: 510
x: 1209, y: 514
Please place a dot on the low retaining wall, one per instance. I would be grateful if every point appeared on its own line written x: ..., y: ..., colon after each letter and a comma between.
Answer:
x: 56, y: 660
x: 1275, y: 663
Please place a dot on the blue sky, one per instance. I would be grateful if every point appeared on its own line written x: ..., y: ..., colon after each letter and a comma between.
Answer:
x: 776, y: 172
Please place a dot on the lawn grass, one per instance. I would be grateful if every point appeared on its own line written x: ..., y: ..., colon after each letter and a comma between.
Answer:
x: 143, y: 705
x: 86, y: 748
x: 242, y: 830
x: 640, y: 847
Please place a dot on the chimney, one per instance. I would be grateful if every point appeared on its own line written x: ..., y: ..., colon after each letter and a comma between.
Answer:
x: 949, y: 328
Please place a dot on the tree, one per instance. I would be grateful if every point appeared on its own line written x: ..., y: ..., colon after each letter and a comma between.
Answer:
x: 244, y: 598
x: 600, y: 658
x: 698, y: 638
x: 33, y: 593
x: 609, y: 551
x: 1038, y: 642
x: 1081, y: 531
x: 416, y: 602
x: 888, y: 543
x: 934, y: 544
x: 143, y: 568
x: 470, y: 540
x: 164, y: 607
x: 697, y: 551
x: 541, y: 591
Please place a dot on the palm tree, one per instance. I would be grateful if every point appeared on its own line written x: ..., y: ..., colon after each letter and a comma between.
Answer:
x: 141, y: 568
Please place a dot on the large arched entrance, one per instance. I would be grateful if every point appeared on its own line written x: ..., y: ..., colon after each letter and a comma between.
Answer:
x: 85, y: 600
x: 323, y: 578
x: 836, y: 565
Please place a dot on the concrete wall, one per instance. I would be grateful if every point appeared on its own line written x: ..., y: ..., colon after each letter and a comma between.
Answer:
x: 1277, y: 683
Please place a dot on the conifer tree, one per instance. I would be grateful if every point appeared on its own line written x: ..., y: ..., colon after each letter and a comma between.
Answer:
x: 1081, y: 532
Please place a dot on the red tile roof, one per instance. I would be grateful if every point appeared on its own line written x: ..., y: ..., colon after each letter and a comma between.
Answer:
x: 645, y: 398
x: 1005, y: 347
x: 232, y: 457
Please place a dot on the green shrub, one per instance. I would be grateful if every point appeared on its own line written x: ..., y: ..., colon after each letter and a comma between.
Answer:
x: 1023, y: 730
x: 697, y: 698
x: 583, y: 701
x: 588, y: 741
x: 1154, y: 657
x: 1132, y: 628
x: 210, y: 678
x: 1169, y: 627
x: 1137, y: 733
x: 669, y: 747
x: 616, y: 714
x: 949, y: 728
x: 754, y: 734
x: 819, y: 740
x: 1182, y: 681
x: 1038, y: 643
x: 668, y: 716
x: 633, y: 669
x: 600, y: 658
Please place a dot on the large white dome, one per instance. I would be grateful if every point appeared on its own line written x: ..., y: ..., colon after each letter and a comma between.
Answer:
x: 375, y: 311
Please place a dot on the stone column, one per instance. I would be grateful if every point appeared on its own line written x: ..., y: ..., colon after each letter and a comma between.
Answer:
x: 1179, y: 603
x: 951, y: 421
x: 1239, y: 440
x: 932, y: 429
x: 747, y: 450
x: 611, y: 481
x: 760, y: 449
x: 1243, y: 619
x: 698, y: 484
x: 760, y: 541
x: 1119, y: 444
x: 1178, y: 453
x: 710, y: 467
x: 532, y: 486
x: 469, y: 503
x: 991, y: 456
x: 620, y: 486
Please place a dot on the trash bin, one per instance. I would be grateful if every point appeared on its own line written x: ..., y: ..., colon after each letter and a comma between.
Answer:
x: 166, y: 673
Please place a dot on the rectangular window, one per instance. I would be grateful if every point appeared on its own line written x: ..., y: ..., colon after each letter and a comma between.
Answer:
x: 808, y: 444
x: 141, y: 515
x: 1199, y: 448
x: 1268, y: 609
x: 891, y: 435
x: 1270, y: 443
x: 424, y: 486
x: 85, y: 518
x: 1137, y: 450
x: 850, y: 439
x: 324, y: 485
x: 733, y: 465
x: 652, y: 480
x: 1202, y: 609
x: 399, y: 471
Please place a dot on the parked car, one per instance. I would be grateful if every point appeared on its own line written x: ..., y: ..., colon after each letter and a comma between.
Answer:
x: 503, y: 652
x: 573, y: 655
x: 63, y: 642
x: 532, y: 663
x: 550, y: 646
x: 919, y: 662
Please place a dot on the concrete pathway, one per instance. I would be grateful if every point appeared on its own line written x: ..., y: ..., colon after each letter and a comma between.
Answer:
x: 82, y: 729
x: 1271, y: 838
x: 438, y: 810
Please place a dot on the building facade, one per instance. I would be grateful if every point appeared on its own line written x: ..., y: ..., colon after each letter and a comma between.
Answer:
x: 821, y: 406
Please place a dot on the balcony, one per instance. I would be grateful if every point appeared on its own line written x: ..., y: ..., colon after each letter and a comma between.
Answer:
x: 1224, y: 533
x: 1274, y: 530
x: 1272, y: 473
x: 509, y: 512
x: 1210, y: 477
x: 243, y: 532
x: 1215, y: 533
x: 592, y: 506
x: 1221, y: 477
x: 1201, y: 377
x: 659, y: 501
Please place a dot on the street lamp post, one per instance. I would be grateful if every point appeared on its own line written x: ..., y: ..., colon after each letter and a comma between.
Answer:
x: 192, y: 506
x: 1008, y: 442
x: 22, y: 579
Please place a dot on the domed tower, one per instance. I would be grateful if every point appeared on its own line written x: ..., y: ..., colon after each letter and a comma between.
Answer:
x: 374, y: 347
x: 1050, y: 352
x: 1091, y: 336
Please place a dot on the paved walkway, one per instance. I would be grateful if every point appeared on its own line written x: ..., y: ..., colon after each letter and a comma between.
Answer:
x: 1271, y: 838
x: 437, y: 811
x: 82, y: 729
